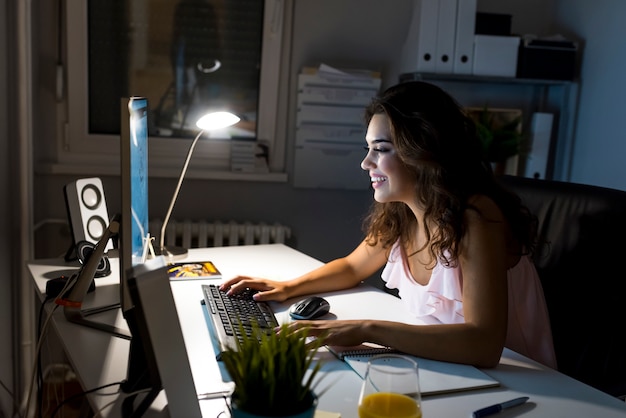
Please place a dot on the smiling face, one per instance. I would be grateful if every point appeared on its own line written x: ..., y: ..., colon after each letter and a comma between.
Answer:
x: 391, y: 179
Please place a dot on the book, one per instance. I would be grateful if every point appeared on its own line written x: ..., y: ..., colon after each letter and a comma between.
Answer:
x: 193, y: 270
x: 435, y: 377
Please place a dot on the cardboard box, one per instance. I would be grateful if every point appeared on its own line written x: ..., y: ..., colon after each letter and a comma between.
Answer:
x: 495, y: 55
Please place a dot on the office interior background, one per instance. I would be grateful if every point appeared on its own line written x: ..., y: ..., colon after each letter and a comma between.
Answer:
x: 325, y: 223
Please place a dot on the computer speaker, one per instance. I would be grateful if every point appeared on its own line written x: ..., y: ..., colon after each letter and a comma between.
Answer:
x: 84, y: 250
x: 87, y: 210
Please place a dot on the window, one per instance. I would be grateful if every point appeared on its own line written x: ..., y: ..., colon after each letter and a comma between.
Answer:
x: 186, y: 57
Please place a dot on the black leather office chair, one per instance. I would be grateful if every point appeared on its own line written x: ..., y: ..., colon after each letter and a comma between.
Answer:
x: 582, y: 265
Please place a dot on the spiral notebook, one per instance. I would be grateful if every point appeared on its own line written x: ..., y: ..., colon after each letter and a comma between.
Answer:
x: 436, y: 377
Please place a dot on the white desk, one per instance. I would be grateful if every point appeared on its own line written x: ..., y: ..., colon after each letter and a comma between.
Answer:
x: 99, y: 358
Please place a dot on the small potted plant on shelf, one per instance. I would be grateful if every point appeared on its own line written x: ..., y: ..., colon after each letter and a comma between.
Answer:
x: 273, y: 374
x: 499, y: 131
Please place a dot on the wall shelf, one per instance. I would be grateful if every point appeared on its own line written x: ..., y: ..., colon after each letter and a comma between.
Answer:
x: 559, y: 97
x: 481, y: 79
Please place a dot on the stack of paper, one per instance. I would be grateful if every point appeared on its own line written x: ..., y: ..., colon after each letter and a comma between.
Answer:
x: 242, y: 155
x: 248, y: 156
x: 330, y: 129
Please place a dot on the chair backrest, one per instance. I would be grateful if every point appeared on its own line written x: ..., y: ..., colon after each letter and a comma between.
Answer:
x: 581, y: 262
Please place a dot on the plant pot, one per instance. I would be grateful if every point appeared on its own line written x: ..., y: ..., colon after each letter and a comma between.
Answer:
x: 307, y: 413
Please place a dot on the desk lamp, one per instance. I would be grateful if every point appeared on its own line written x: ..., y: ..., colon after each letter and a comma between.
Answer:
x: 208, y: 122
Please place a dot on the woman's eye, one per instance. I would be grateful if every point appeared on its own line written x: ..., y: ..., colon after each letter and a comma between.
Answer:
x: 377, y: 149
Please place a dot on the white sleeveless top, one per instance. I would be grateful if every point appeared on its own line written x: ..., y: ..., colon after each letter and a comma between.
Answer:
x: 528, y: 330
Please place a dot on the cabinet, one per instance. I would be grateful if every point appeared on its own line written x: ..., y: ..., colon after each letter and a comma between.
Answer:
x: 559, y: 97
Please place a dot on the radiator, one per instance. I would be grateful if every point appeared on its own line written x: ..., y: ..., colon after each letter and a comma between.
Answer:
x: 198, y: 234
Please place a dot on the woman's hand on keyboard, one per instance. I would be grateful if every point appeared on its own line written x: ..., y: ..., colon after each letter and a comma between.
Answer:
x: 267, y: 289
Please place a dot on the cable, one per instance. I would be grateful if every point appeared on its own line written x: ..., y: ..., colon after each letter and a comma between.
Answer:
x: 38, y: 358
x: 87, y: 392
x: 99, y: 412
x: 16, y: 407
x: 26, y: 405
x: 227, y: 406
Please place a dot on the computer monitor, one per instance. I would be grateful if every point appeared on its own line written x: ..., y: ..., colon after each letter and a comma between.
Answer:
x: 133, y: 237
x: 158, y: 327
x: 142, y: 373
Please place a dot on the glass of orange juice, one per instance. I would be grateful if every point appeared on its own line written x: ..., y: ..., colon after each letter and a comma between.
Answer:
x: 390, y: 388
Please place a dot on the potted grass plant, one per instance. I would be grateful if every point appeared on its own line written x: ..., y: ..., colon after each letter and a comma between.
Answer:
x: 499, y: 131
x: 273, y: 374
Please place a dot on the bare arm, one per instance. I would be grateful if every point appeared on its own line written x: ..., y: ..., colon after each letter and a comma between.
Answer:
x: 342, y: 273
x: 478, y: 341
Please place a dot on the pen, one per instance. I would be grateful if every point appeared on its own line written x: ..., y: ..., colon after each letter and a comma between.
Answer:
x: 214, y: 395
x: 494, y: 409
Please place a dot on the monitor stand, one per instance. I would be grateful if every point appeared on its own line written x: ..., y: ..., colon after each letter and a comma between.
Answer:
x: 72, y: 304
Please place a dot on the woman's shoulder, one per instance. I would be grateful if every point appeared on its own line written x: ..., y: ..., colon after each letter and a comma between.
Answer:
x: 486, y: 213
x: 483, y: 206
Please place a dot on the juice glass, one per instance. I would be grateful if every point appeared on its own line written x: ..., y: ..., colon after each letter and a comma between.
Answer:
x: 390, y: 388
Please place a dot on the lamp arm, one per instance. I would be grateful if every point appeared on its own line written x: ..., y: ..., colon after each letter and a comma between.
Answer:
x: 180, y: 182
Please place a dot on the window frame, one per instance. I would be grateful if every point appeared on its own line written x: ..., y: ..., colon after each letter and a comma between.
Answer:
x: 79, y: 151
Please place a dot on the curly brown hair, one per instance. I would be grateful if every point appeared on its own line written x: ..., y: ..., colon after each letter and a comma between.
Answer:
x: 436, y: 140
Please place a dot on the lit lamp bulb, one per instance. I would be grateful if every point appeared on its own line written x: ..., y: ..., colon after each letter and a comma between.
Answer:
x: 208, y: 122
x: 216, y: 120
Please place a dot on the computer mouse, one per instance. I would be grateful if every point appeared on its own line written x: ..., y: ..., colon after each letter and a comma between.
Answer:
x: 309, y: 308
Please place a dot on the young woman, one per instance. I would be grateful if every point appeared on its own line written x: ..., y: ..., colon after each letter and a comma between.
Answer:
x: 453, y: 242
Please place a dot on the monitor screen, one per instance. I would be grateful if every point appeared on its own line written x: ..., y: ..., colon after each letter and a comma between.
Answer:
x: 133, y: 237
x: 134, y: 176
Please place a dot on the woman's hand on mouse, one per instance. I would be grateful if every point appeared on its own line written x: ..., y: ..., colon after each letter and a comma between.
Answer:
x: 333, y: 332
x: 267, y: 289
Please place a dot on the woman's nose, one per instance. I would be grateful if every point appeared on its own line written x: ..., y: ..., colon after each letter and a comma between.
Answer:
x: 366, y: 163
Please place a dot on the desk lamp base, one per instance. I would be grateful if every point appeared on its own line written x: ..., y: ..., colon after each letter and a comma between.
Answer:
x: 172, y: 253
